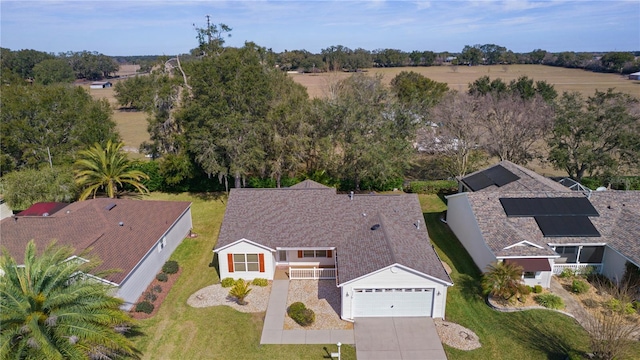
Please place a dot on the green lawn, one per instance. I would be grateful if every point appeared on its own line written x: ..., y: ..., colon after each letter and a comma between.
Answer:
x: 534, y: 334
x: 179, y: 331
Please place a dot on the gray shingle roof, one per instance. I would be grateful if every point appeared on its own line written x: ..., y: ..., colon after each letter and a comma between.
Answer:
x: 319, y: 217
x: 529, y: 180
x: 88, y: 224
x: 618, y: 223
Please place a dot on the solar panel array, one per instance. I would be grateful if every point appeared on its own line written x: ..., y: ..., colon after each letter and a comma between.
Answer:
x: 497, y: 175
x: 527, y: 207
x: 556, y: 217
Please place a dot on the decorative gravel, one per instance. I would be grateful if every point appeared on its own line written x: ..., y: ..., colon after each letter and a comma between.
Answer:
x: 457, y: 336
x: 321, y: 296
x: 215, y: 295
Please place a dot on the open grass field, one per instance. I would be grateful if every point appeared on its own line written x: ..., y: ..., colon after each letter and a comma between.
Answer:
x: 585, y: 82
x: 179, y: 331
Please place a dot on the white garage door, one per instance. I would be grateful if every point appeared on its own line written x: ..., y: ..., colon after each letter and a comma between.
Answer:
x: 392, y: 302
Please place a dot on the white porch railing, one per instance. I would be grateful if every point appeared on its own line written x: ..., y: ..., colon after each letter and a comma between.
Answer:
x: 312, y: 273
x: 577, y: 268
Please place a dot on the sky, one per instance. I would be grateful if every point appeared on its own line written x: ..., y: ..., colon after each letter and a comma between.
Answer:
x: 149, y: 27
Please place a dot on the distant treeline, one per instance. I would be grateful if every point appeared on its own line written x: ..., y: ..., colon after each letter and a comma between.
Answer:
x: 48, y: 68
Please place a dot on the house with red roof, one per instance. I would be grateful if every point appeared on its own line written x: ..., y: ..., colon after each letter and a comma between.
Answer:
x: 134, y: 237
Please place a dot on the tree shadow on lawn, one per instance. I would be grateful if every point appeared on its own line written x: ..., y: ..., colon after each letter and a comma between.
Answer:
x: 548, y: 337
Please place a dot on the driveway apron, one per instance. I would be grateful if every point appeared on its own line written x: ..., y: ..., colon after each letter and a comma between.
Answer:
x: 399, y: 338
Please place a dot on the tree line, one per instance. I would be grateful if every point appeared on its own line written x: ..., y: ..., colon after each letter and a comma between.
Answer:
x: 229, y: 117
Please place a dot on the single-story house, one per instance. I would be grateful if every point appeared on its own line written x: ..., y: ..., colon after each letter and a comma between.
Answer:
x: 509, y: 213
x: 376, y: 247
x: 101, y: 84
x: 135, y: 237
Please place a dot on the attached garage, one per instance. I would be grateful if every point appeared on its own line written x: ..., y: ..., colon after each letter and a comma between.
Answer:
x: 392, y: 302
x: 394, y: 291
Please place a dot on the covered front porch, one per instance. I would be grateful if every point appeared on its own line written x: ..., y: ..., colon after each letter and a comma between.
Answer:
x: 306, y: 263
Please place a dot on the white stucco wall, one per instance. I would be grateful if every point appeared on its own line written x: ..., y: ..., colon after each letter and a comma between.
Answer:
x: 143, y: 274
x: 398, y: 278
x: 613, y: 264
x: 544, y: 280
x: 245, y: 247
x: 462, y: 222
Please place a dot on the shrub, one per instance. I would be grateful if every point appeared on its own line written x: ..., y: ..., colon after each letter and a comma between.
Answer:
x: 537, y: 289
x: 227, y: 282
x: 566, y: 273
x: 240, y: 291
x: 150, y: 296
x: 620, y: 306
x: 145, y: 307
x: 260, y: 282
x: 300, y: 314
x: 162, y: 277
x: 525, y: 290
x: 549, y: 301
x: 170, y: 267
x: 157, y: 289
x: 579, y: 286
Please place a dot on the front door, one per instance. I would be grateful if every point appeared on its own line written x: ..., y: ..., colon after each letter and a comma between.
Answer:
x: 282, y: 255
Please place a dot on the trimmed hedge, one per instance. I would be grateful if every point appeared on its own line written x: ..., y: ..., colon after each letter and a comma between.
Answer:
x: 227, y: 282
x: 300, y: 314
x: 432, y: 187
x: 162, y: 277
x: 260, y: 282
x: 145, y: 307
x: 170, y: 267
x: 537, y: 289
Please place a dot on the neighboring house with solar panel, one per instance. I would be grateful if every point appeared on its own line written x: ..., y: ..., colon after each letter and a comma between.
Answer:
x: 375, y: 247
x: 135, y: 237
x: 509, y: 213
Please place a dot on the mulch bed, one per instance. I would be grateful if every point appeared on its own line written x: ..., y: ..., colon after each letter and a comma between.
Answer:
x: 166, y: 286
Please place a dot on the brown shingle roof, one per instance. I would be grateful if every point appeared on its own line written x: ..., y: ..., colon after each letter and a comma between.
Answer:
x: 318, y: 217
x: 529, y: 180
x: 88, y: 224
x: 618, y: 223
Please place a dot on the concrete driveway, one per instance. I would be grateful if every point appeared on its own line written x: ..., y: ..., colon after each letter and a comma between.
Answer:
x: 412, y: 338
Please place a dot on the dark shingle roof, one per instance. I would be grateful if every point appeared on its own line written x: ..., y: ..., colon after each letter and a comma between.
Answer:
x: 318, y: 217
x: 528, y: 180
x: 88, y: 224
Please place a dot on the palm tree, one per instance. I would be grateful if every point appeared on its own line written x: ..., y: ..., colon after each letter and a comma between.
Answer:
x: 106, y: 169
x: 502, y: 279
x: 240, y: 291
x: 49, y: 310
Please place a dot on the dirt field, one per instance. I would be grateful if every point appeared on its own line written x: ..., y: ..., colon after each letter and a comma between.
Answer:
x: 563, y: 79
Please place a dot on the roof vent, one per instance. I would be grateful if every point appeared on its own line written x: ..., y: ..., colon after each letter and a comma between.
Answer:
x: 110, y: 206
x: 375, y: 227
x: 351, y: 195
x: 121, y: 223
x: 601, y: 188
x: 417, y: 224
x: 45, y: 214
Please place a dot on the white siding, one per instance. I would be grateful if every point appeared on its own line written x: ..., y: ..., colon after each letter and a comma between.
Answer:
x: 462, y: 222
x: 613, y: 264
x: 544, y: 280
x: 294, y: 260
x: 143, y: 274
x: 398, y: 278
x: 245, y: 247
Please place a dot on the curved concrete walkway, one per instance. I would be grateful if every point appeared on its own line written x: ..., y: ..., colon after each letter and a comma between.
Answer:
x: 273, y: 330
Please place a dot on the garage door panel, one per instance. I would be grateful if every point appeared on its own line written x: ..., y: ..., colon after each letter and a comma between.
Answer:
x: 392, y: 302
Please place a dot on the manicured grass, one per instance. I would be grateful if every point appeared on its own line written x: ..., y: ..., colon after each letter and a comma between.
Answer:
x: 535, y: 334
x: 179, y: 331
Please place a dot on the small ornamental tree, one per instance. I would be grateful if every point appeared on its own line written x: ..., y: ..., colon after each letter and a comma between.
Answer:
x: 502, y: 280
